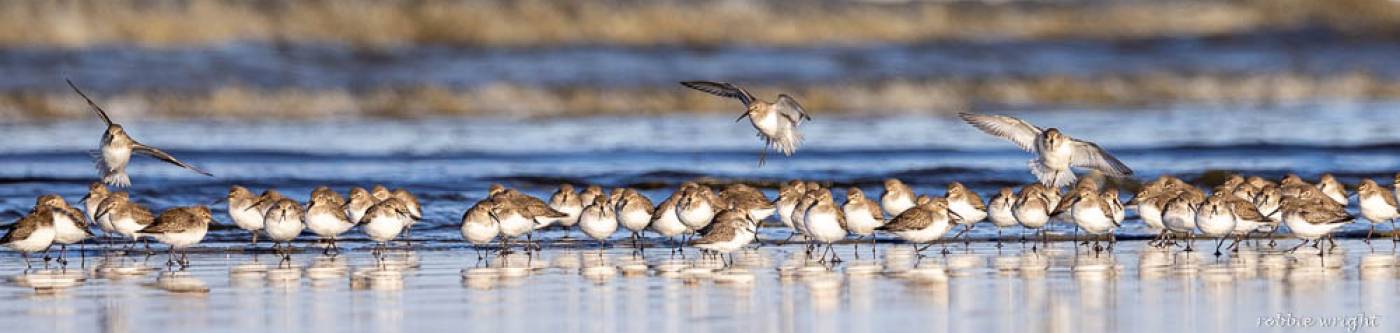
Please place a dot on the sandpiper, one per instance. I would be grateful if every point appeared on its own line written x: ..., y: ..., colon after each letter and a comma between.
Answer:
x: 415, y: 211
x: 586, y: 197
x: 1216, y: 219
x: 242, y: 210
x: 1248, y: 218
x: 566, y: 201
x: 69, y: 225
x: 282, y: 224
x: 1150, y: 201
x: 799, y: 213
x: 117, y: 148
x: 534, y: 210
x: 968, y: 205
x: 634, y: 212
x: 862, y: 215
x: 380, y: 193
x: 599, y: 221
x: 1311, y: 221
x: 1333, y: 189
x: 326, y: 217
x: 1114, y: 204
x: 732, y: 230
x: 776, y: 122
x: 1032, y: 208
x: 1089, y: 212
x: 1179, y: 214
x: 180, y: 228
x: 1055, y: 152
x: 928, y: 221
x: 748, y: 199
x: 126, y: 217
x: 897, y: 197
x: 360, y: 201
x: 97, y: 191
x: 788, y: 196
x: 1378, y: 205
x: 826, y: 223
x: 385, y: 221
x: 1001, y: 210
x: 478, y: 228
x: 695, y: 207
x: 32, y: 233
x: 665, y: 222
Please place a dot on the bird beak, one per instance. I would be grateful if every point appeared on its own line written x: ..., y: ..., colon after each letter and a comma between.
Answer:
x: 218, y: 201
x: 255, y: 204
x: 742, y: 116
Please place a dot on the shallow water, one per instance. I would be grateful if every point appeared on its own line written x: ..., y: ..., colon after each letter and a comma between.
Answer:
x: 449, y: 163
x: 772, y: 289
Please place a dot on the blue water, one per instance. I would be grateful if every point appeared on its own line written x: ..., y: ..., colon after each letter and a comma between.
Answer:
x: 449, y: 163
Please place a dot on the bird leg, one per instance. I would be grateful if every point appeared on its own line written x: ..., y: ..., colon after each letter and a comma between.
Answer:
x: 1369, y: 233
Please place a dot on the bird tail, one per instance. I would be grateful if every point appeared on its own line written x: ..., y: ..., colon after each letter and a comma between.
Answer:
x: 1055, y: 179
x: 787, y: 141
x: 118, y: 179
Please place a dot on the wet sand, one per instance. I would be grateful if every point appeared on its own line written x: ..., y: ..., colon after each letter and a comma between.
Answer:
x: 770, y: 289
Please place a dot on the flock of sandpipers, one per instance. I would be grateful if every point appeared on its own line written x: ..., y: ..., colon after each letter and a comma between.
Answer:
x: 725, y: 220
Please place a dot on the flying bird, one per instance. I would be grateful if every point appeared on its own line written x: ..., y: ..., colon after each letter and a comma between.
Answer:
x: 776, y: 122
x: 1054, y: 151
x: 117, y: 147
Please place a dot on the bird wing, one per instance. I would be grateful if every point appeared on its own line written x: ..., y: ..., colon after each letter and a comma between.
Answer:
x: 717, y: 232
x: 1020, y: 132
x: 913, y: 219
x: 100, y: 112
x: 788, y: 108
x: 1088, y: 155
x: 1389, y: 199
x: 173, y: 220
x: 722, y: 89
x: 161, y: 155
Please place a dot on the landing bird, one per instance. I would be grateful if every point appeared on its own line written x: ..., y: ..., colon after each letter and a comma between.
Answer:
x: 1055, y: 152
x: 117, y: 147
x: 776, y: 122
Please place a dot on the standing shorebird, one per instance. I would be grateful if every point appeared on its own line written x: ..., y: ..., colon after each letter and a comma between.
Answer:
x: 282, y: 224
x: 385, y: 221
x: 359, y: 203
x: 69, y: 225
x: 478, y: 228
x: 326, y: 217
x: 1055, y: 152
x: 1378, y: 205
x: 1216, y: 219
x: 96, y: 193
x: 696, y: 208
x: 1032, y: 209
x: 32, y: 233
x: 599, y: 221
x: 1001, y: 211
x: 968, y: 205
x: 536, y: 213
x: 776, y: 122
x: 1333, y: 189
x: 788, y: 196
x: 634, y: 212
x: 1090, y: 213
x: 665, y: 222
x: 927, y: 222
x: 126, y: 217
x: 415, y: 211
x: 826, y: 223
x: 117, y: 148
x: 897, y: 197
x: 748, y: 199
x: 566, y: 201
x: 862, y: 217
x: 732, y: 230
x: 1311, y: 221
x: 1179, y: 214
x: 243, y: 211
x: 180, y: 228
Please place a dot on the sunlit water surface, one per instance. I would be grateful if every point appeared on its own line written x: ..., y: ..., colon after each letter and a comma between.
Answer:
x: 449, y: 163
